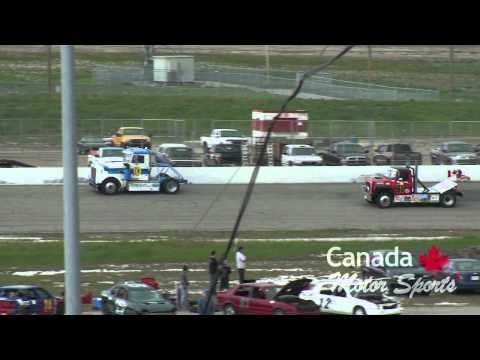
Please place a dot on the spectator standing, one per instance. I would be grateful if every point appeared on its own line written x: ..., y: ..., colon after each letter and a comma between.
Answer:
x: 241, y: 264
x: 225, y: 272
x: 183, y: 289
x: 212, y: 268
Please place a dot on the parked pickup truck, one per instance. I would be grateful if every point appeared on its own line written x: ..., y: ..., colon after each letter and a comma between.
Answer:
x: 223, y: 136
x: 396, y: 154
x: 224, y: 154
x: 454, y: 152
x: 131, y: 137
x: 345, y: 153
x: 300, y: 155
x: 180, y: 155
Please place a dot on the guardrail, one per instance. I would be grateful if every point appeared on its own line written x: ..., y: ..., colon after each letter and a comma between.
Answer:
x: 241, y: 175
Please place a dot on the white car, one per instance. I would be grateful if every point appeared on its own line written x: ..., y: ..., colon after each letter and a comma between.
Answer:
x: 347, y: 297
x: 300, y: 155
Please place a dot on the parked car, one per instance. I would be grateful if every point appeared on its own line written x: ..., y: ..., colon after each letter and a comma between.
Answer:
x: 396, y: 154
x: 343, y: 297
x: 132, y: 137
x: 266, y: 299
x: 135, y: 298
x: 466, y: 273
x: 453, y: 153
x: 179, y: 154
x: 392, y: 272
x: 88, y: 143
x: 300, y: 155
x: 224, y: 154
x: 345, y: 153
x: 26, y: 300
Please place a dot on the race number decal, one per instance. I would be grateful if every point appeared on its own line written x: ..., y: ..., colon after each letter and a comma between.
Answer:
x: 325, y: 303
x: 137, y: 171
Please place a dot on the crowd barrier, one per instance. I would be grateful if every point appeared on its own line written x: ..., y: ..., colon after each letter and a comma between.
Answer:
x: 241, y: 175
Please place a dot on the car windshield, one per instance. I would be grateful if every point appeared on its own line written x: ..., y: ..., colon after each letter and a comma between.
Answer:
x: 349, y: 149
x: 112, y: 153
x: 92, y: 140
x: 144, y: 295
x: 460, y: 148
x: 303, y: 151
x: 402, y: 148
x: 468, y: 265
x: 231, y: 133
x: 180, y: 153
x: 134, y: 131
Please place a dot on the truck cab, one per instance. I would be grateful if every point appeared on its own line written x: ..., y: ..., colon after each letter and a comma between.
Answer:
x: 300, y: 155
x: 140, y: 170
x: 400, y: 185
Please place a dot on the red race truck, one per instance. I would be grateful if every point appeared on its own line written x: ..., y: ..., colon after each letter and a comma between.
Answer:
x: 402, y: 186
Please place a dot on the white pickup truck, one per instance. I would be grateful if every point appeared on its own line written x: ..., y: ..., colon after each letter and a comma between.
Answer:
x: 223, y: 136
x: 300, y: 155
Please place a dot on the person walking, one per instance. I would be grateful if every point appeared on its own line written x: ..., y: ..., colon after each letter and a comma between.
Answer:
x: 225, y: 272
x: 183, y: 289
x: 212, y: 268
x: 241, y: 264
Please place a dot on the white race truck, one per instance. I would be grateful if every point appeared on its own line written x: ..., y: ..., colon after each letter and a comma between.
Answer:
x: 223, y: 136
x: 300, y: 155
x: 140, y: 170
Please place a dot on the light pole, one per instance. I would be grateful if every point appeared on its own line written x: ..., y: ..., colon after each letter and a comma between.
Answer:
x: 70, y: 189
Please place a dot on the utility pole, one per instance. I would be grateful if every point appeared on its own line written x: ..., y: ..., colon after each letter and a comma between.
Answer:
x: 452, y: 69
x: 49, y: 69
x: 267, y: 62
x: 70, y: 186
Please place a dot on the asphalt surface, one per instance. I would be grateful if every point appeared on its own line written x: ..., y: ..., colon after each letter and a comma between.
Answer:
x: 214, y: 207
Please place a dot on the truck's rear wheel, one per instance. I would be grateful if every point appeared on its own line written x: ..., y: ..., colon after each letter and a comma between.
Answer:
x: 110, y: 186
x: 448, y: 200
x: 384, y: 200
x: 171, y: 186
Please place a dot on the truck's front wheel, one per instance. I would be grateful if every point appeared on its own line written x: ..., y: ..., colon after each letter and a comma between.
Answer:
x: 384, y: 200
x: 110, y: 186
x: 171, y: 186
x: 448, y: 200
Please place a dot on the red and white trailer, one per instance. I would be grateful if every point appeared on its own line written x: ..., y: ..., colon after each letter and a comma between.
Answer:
x: 289, y: 125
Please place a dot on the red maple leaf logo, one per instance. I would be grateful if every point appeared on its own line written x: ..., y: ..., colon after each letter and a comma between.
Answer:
x: 433, y: 261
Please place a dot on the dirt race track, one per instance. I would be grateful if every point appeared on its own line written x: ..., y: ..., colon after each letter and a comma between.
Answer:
x: 273, y: 207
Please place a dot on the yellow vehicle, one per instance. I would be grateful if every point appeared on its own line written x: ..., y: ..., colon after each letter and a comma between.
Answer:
x: 131, y: 137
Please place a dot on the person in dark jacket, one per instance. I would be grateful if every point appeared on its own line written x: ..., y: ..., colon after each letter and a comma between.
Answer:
x: 212, y: 268
x: 225, y: 272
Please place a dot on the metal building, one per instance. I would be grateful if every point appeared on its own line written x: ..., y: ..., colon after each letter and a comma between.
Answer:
x: 173, y: 69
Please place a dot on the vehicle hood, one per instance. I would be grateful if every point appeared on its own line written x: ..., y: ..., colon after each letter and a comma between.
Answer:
x: 135, y: 137
x: 345, y: 155
x: 462, y: 155
x: 305, y: 157
x: 407, y: 270
x: 154, y: 307
x: 294, y: 288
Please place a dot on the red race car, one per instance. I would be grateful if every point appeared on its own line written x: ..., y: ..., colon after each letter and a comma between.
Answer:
x: 267, y: 299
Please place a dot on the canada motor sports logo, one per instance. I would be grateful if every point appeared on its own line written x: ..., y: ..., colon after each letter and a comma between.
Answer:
x: 407, y: 283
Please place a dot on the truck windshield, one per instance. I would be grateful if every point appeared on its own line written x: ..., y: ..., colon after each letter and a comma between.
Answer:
x: 303, y: 151
x: 456, y: 148
x: 402, y: 148
x: 135, y: 131
x: 231, y: 133
x: 112, y: 153
x: 349, y: 149
x: 180, y: 153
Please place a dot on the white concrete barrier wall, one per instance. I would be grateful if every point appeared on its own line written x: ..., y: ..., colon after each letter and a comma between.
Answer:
x: 241, y: 175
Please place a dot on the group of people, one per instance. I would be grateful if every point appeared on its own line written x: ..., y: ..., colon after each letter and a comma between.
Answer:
x: 219, y: 277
